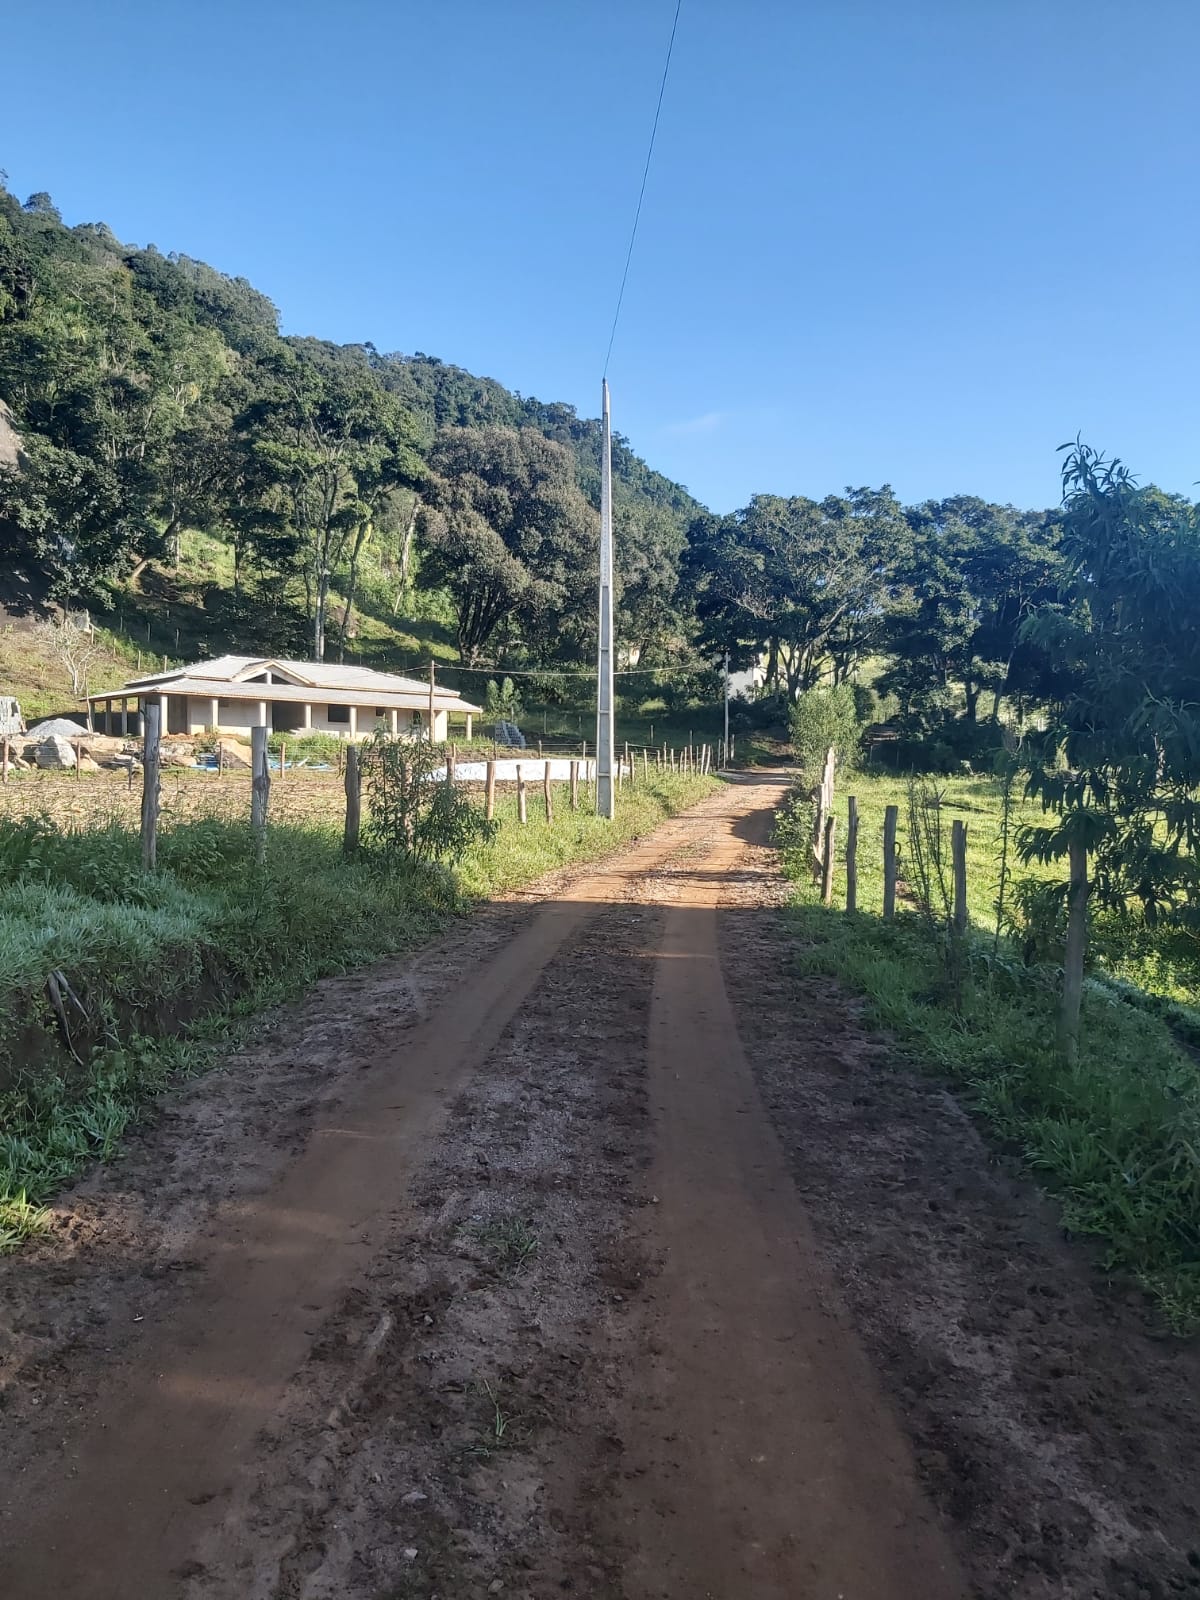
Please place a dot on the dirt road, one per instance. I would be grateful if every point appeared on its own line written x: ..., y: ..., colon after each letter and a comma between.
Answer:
x: 492, y: 1273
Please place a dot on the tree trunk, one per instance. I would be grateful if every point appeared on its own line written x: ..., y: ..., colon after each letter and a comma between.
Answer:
x: 406, y: 553
x: 360, y: 539
x: 1077, y: 898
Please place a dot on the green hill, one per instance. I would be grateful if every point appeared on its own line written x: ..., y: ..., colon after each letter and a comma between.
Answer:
x: 200, y: 483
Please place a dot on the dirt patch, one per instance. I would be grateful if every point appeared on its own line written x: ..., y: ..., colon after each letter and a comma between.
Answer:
x: 1053, y: 1426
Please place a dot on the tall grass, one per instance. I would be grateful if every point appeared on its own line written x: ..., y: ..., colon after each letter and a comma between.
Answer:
x: 1116, y: 1137
x: 135, y: 958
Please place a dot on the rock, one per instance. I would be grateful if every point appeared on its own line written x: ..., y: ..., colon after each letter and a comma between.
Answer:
x: 177, y: 753
x: 237, y: 757
x: 55, y: 753
x: 414, y: 1497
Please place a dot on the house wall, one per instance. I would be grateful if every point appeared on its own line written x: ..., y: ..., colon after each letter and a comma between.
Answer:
x: 239, y: 716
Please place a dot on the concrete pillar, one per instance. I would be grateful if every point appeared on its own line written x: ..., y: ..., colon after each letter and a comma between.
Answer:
x: 470, y: 719
x: 354, y: 722
x: 125, y: 718
x: 394, y: 722
x: 164, y: 701
x: 264, y: 714
x: 215, y: 709
x: 308, y: 714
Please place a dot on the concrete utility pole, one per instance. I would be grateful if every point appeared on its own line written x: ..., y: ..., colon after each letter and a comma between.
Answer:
x: 431, y: 689
x: 605, y: 733
x: 727, y: 706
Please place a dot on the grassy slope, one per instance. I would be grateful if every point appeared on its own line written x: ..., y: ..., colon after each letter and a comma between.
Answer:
x: 1117, y: 1138
x: 138, y: 949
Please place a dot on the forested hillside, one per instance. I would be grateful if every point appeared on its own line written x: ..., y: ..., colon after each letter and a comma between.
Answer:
x: 155, y: 398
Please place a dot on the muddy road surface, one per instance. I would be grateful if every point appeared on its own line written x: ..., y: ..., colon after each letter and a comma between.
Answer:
x: 589, y: 1253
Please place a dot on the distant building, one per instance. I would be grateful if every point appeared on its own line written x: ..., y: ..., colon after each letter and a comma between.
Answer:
x: 233, y: 694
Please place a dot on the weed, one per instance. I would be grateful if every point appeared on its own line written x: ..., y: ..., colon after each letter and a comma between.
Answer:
x: 510, y: 1241
x: 497, y: 1432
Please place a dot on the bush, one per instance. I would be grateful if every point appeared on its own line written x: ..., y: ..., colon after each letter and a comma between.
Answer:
x: 414, y: 816
x: 821, y: 718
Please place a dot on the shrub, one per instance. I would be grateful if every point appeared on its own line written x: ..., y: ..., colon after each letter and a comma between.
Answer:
x: 821, y: 718
x: 414, y: 816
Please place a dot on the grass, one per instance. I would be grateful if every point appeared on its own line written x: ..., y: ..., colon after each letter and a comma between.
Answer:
x: 1117, y: 1137
x: 146, y: 964
x: 497, y: 1433
x: 510, y: 1241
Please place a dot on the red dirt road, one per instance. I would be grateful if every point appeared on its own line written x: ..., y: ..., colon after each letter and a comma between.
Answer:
x: 491, y: 1273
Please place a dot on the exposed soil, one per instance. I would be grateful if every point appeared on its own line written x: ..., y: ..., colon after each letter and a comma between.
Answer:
x: 493, y: 1272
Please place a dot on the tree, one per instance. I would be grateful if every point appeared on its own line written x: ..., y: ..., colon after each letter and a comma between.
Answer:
x: 971, y: 575
x: 507, y: 531
x: 71, y: 641
x: 1118, y: 765
x: 806, y: 581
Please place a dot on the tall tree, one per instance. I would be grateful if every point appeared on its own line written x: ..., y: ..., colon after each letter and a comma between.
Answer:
x: 509, y: 534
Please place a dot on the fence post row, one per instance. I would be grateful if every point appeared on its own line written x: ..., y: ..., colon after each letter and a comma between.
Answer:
x: 353, y: 802
x: 890, y: 818
x: 152, y: 724
x: 260, y: 791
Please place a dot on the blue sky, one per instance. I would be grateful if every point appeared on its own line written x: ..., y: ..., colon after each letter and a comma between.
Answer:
x: 921, y: 243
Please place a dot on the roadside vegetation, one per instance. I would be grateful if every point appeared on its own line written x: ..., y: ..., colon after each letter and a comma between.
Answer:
x: 1065, y: 1008
x: 112, y: 980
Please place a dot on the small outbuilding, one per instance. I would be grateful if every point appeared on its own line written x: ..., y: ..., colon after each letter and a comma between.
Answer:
x: 233, y: 694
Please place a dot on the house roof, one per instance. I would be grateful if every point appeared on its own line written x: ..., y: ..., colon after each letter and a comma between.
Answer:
x: 238, y: 678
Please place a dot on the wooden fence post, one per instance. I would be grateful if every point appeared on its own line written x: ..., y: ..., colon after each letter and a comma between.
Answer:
x: 76, y: 745
x: 152, y: 724
x: 1077, y: 899
x: 852, y: 857
x: 958, y: 853
x: 4, y: 760
x: 546, y: 792
x: 220, y: 759
x: 489, y: 790
x: 890, y: 818
x: 827, y: 864
x: 521, y: 794
x: 353, y: 802
x: 282, y: 757
x: 260, y: 791
x: 451, y: 762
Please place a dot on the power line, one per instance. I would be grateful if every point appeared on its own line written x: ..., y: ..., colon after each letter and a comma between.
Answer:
x: 637, y: 216
x: 577, y: 672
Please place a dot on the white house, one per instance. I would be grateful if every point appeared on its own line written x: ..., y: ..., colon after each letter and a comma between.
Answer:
x: 233, y: 694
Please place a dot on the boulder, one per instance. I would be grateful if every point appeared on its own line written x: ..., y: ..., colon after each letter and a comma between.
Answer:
x: 55, y: 753
x: 177, y: 753
x: 237, y: 758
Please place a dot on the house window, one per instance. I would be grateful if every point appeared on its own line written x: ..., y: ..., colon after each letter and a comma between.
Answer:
x: 338, y: 713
